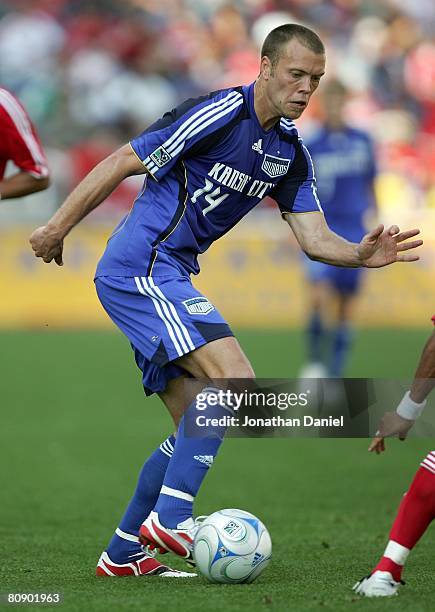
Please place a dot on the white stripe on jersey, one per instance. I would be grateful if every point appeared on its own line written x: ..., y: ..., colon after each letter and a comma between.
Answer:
x: 429, y: 462
x: 287, y: 123
x: 154, y: 291
x: 161, y: 315
x: 427, y: 467
x: 206, y: 124
x: 313, y: 186
x: 24, y: 128
x: 174, y: 313
x: 183, y: 132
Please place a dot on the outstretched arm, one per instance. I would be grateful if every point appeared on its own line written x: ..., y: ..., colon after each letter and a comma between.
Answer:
x: 21, y: 184
x: 47, y: 241
x: 378, y: 248
x: 400, y: 422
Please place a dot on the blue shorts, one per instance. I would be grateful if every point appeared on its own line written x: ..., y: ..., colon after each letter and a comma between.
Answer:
x: 164, y: 318
x: 344, y: 280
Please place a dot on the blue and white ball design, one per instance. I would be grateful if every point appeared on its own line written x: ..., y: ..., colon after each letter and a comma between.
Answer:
x: 232, y: 546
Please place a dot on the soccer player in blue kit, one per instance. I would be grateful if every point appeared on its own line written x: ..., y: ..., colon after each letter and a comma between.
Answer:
x: 207, y: 163
x: 345, y: 167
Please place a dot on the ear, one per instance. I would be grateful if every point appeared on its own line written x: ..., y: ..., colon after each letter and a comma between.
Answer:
x: 266, y: 68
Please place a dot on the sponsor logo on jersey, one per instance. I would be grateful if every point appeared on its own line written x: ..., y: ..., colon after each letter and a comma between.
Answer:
x: 205, y: 459
x: 257, y: 146
x: 275, y: 166
x: 233, y: 528
x: 160, y: 156
x: 198, y: 306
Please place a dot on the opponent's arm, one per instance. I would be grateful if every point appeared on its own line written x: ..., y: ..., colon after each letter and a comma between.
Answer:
x: 22, y: 184
x: 400, y: 422
x: 378, y: 248
x: 47, y: 241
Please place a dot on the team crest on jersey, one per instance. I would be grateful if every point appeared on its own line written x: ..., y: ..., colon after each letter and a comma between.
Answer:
x: 275, y: 166
x: 198, y: 306
x: 160, y: 156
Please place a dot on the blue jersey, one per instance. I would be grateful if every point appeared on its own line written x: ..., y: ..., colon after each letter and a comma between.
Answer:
x: 345, y: 168
x: 208, y: 162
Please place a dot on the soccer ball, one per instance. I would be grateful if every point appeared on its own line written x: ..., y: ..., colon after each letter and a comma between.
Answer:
x: 232, y: 546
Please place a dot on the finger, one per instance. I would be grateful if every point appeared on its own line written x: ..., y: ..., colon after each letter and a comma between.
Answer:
x: 408, y: 234
x: 47, y: 258
x: 393, y: 230
x: 376, y: 232
x: 407, y: 258
x: 58, y: 259
x: 405, y: 246
x: 374, y: 444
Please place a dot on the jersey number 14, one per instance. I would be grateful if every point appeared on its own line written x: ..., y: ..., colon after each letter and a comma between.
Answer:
x: 214, y: 198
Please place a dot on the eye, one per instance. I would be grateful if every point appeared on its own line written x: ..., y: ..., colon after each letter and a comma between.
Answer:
x: 295, y: 74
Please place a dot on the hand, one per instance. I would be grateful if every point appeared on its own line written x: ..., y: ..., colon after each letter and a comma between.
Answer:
x: 47, y: 244
x: 391, y: 425
x: 382, y: 247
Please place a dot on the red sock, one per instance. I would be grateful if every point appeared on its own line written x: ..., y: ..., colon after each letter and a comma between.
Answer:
x: 415, y: 513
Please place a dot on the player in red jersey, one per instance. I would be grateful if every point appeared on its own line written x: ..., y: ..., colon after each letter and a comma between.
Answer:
x: 417, y: 509
x: 19, y: 143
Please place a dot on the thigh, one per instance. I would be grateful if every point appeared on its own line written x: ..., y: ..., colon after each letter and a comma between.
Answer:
x: 164, y: 318
x: 174, y: 398
x: 223, y: 358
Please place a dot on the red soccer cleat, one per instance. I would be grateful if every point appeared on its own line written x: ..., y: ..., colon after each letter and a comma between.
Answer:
x: 178, y: 541
x: 145, y: 566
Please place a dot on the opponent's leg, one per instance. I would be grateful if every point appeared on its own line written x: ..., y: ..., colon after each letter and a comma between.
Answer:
x: 170, y: 524
x: 416, y: 512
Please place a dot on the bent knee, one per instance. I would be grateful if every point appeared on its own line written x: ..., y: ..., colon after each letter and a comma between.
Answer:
x: 238, y: 367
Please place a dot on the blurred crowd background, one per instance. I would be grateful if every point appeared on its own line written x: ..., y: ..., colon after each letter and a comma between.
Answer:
x: 93, y: 73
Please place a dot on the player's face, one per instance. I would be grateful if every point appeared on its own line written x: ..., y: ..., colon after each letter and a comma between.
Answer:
x: 294, y: 78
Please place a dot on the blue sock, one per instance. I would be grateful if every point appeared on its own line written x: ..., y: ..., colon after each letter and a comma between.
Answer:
x: 124, y: 543
x: 189, y: 464
x: 315, y: 331
x: 342, y: 342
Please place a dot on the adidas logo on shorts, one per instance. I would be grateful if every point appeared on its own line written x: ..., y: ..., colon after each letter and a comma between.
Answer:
x: 207, y: 459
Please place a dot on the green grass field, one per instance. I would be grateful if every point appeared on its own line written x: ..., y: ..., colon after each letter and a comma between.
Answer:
x: 76, y: 429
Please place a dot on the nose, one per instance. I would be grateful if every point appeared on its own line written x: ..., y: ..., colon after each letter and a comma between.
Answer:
x: 305, y: 85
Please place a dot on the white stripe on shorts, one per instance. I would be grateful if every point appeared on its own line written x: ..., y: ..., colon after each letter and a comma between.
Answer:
x: 161, y: 315
x: 165, y: 306
x: 184, y: 329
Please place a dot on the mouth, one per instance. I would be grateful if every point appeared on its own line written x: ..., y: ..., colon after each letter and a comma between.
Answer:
x: 298, y: 104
